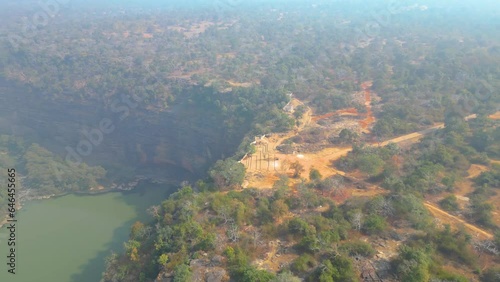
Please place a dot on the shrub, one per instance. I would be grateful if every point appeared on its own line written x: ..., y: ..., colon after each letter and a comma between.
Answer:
x: 303, y: 263
x: 374, y: 224
x: 358, y: 248
x: 449, y: 203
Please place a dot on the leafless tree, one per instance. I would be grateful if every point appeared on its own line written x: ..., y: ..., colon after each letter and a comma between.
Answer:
x: 224, y: 212
x: 256, y: 237
x: 384, y: 207
x: 483, y: 246
x: 357, y: 220
x: 338, y: 185
x: 233, y: 233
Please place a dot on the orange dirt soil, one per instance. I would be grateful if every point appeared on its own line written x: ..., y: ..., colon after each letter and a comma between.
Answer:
x: 344, y: 112
x: 267, y: 163
x: 264, y: 166
x: 475, y: 170
x: 495, y: 116
x: 369, y: 118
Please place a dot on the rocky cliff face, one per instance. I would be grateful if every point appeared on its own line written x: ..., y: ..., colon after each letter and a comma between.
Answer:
x: 122, y: 137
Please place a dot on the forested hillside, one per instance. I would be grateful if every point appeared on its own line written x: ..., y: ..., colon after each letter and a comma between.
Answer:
x: 41, y: 172
x: 368, y: 134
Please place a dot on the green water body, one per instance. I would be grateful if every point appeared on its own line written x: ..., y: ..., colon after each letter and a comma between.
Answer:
x: 67, y: 238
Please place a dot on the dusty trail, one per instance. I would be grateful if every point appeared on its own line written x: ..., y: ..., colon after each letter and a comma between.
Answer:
x: 441, y: 214
x: 369, y: 118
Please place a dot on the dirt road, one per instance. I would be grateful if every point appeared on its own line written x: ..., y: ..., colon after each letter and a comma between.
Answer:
x: 443, y: 215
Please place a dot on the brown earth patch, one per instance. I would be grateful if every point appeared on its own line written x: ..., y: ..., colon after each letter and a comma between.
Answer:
x: 475, y: 170
x: 495, y: 116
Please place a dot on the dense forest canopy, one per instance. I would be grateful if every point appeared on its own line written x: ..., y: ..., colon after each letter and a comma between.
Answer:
x: 267, y: 69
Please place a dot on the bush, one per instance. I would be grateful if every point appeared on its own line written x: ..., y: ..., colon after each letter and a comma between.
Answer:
x: 449, y: 203
x: 490, y: 178
x: 303, y: 263
x: 251, y: 274
x: 286, y: 276
x: 374, y: 224
x: 300, y: 227
x: 412, y: 265
x: 182, y: 273
x: 314, y: 174
x: 358, y: 248
x: 227, y: 173
x: 339, y: 268
x: 491, y: 275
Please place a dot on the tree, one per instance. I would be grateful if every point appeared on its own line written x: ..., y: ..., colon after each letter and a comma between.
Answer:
x: 182, y: 273
x: 279, y: 208
x: 338, y: 268
x: 132, y: 249
x: 298, y: 168
x: 370, y: 164
x: 256, y: 237
x: 314, y: 174
x: 137, y: 230
x: 449, y: 203
x: 374, y: 224
x: 286, y: 276
x: 454, y: 122
x: 360, y: 248
x: 227, y: 173
x: 251, y: 274
x: 299, y: 111
x: 491, y: 275
x: 347, y: 136
x: 303, y: 263
x: 282, y: 183
x: 162, y: 260
x: 412, y: 265
x: 357, y: 220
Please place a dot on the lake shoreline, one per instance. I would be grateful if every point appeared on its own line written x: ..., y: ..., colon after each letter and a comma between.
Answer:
x: 114, y: 188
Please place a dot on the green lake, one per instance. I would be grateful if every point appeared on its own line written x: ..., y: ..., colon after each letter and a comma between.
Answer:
x: 67, y: 238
